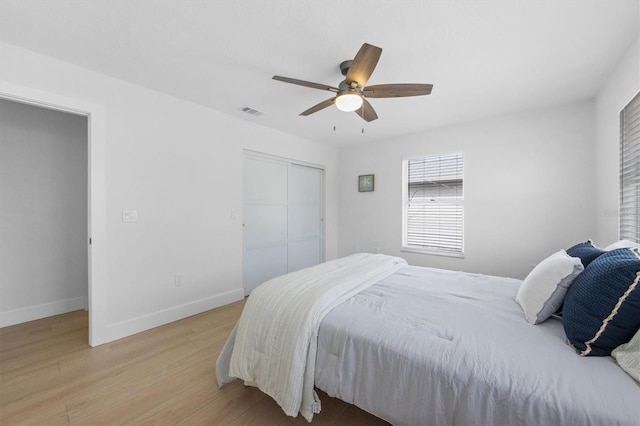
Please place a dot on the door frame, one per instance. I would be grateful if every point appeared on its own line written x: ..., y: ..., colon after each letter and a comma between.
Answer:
x: 96, y: 208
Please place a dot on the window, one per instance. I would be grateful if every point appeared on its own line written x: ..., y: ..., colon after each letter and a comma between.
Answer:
x: 630, y: 170
x: 433, y: 204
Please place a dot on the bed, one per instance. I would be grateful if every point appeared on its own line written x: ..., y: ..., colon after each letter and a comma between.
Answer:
x: 422, y: 346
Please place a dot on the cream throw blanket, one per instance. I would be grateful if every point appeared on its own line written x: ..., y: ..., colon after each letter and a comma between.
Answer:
x: 275, y: 344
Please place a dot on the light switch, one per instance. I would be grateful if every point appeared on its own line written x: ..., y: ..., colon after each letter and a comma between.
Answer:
x: 129, y: 215
x: 234, y: 214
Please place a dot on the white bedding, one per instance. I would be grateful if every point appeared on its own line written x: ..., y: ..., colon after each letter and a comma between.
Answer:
x: 434, y: 347
x: 274, y: 344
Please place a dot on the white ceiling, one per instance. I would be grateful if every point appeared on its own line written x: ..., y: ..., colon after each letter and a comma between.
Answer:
x: 484, y: 57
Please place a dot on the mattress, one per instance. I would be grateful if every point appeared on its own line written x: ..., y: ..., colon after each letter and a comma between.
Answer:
x: 435, y: 347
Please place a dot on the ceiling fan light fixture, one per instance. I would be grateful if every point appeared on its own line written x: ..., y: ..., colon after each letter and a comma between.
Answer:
x: 349, y: 101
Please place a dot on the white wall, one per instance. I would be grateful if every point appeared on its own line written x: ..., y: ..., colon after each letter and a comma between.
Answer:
x: 528, y: 189
x: 43, y: 212
x: 620, y: 88
x: 180, y: 166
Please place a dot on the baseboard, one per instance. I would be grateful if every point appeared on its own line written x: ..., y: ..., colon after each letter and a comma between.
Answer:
x: 44, y: 310
x: 146, y: 322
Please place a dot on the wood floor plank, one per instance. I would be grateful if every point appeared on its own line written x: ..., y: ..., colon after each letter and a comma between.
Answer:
x: 45, y: 414
x: 39, y: 370
x: 123, y: 385
x: 145, y: 395
x: 43, y: 325
x: 184, y: 404
x: 165, y: 376
x: 83, y: 381
x: 354, y: 416
x: 261, y: 413
x: 227, y: 407
x: 43, y: 350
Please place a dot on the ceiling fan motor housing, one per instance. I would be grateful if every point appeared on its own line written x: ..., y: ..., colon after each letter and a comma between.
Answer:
x: 344, y: 66
x: 344, y: 87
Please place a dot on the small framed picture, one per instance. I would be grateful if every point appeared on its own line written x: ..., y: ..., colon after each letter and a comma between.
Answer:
x: 365, y: 183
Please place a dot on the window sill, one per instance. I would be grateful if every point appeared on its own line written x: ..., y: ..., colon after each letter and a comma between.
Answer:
x: 431, y: 252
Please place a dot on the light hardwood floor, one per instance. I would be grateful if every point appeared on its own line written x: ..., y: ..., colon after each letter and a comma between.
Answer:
x: 165, y: 376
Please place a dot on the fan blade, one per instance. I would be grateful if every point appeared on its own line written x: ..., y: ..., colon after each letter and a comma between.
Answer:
x: 366, y: 111
x: 321, y: 105
x: 306, y: 83
x: 363, y: 64
x: 396, y: 90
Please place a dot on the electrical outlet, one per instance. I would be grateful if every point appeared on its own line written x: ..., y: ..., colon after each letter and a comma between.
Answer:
x: 177, y: 280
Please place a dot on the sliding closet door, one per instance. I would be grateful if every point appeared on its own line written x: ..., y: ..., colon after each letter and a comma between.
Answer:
x: 264, y: 220
x: 282, y: 218
x: 305, y: 217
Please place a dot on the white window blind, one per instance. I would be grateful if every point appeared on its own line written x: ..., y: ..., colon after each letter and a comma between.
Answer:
x: 434, y: 204
x: 630, y: 170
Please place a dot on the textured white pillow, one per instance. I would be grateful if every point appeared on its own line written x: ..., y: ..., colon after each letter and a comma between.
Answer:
x: 622, y: 244
x: 542, y: 292
x: 628, y: 356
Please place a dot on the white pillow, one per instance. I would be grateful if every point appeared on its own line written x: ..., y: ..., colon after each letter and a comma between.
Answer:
x: 622, y: 244
x: 628, y: 356
x: 542, y: 292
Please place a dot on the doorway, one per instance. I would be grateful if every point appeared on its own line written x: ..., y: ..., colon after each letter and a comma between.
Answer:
x: 96, y: 214
x: 44, y: 227
x: 283, y: 217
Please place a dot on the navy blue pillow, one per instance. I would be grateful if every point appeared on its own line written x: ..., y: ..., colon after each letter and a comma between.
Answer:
x: 602, y: 307
x: 586, y: 251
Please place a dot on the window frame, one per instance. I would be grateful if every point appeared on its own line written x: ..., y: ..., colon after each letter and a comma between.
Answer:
x: 405, y: 210
x: 629, y: 209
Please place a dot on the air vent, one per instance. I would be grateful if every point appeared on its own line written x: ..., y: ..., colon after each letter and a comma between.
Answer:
x: 252, y: 111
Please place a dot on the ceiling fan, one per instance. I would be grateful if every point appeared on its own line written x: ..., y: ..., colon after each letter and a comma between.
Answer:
x: 351, y: 93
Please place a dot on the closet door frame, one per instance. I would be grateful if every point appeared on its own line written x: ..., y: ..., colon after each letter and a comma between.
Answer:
x: 260, y: 156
